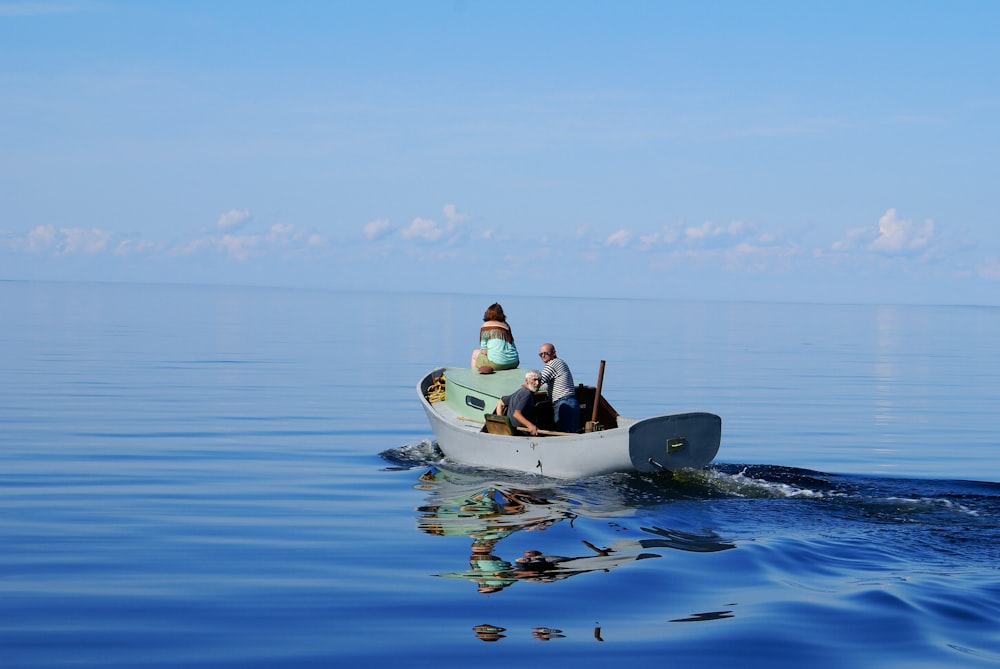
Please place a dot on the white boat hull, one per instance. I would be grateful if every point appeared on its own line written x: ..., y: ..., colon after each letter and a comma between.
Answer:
x: 662, y: 443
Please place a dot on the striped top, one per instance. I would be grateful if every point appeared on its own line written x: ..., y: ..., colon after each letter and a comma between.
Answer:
x: 559, y: 380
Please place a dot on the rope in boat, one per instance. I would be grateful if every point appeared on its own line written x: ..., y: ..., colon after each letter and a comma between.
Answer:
x: 435, y: 391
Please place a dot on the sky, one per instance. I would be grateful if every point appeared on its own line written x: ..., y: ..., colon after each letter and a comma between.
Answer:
x: 772, y: 151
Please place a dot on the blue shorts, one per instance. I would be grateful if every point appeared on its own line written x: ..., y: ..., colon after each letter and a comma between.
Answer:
x: 566, y: 411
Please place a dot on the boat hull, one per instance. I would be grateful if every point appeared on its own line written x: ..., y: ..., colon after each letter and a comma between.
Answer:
x: 661, y: 443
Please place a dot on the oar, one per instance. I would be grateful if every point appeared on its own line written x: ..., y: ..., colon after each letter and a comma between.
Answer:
x: 549, y: 432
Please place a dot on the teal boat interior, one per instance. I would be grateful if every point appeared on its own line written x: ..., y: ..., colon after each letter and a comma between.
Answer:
x: 473, y: 395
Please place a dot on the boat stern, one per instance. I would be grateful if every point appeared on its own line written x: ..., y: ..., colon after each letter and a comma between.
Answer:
x: 679, y: 441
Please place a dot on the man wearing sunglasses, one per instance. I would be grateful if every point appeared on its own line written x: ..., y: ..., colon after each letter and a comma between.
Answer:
x: 559, y: 381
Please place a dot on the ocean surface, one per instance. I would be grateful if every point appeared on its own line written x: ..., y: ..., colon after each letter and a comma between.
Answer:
x: 207, y: 477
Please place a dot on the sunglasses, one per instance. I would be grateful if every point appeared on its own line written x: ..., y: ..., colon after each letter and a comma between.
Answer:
x: 545, y: 353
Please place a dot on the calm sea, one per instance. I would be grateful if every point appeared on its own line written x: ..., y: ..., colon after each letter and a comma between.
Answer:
x: 243, y: 477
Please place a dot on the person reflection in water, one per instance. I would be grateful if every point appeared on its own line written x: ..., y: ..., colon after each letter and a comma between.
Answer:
x: 489, y: 632
x: 489, y: 572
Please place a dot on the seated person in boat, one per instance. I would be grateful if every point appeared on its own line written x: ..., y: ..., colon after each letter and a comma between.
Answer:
x: 496, y: 342
x: 521, y: 406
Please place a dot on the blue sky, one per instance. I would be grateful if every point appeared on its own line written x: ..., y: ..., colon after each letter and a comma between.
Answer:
x: 808, y: 151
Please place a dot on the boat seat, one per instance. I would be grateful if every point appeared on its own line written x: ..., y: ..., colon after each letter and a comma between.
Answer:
x: 498, y: 425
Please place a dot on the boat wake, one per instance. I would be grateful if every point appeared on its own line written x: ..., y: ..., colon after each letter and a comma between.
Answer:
x: 605, y: 522
x: 421, y: 454
x: 888, y: 498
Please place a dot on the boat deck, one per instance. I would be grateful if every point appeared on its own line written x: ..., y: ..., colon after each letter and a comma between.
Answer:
x: 470, y: 395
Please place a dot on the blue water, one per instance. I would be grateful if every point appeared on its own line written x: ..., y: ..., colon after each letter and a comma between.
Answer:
x: 242, y: 477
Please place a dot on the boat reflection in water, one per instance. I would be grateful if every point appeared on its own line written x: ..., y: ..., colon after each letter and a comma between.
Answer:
x: 488, y: 511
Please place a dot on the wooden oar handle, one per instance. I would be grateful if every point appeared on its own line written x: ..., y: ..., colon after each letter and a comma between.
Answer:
x: 550, y: 432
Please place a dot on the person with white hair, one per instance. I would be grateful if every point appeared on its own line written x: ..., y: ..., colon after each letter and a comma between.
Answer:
x: 520, y: 408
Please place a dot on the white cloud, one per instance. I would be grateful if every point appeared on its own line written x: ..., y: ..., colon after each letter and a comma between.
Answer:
x: 192, y: 247
x: 453, y: 216
x: 280, y: 237
x: 705, y: 239
x: 647, y: 242
x: 734, y: 246
x: 78, y: 240
x: 699, y: 232
x: 128, y: 247
x: 282, y: 233
x: 709, y: 230
x: 670, y: 234
x: 892, y: 235
x: 62, y: 241
x: 621, y: 238
x: 429, y: 230
x: 422, y: 228
x: 895, y: 235
x: 239, y: 246
x: 234, y: 219
x: 855, y: 237
x: 41, y: 238
x: 377, y: 228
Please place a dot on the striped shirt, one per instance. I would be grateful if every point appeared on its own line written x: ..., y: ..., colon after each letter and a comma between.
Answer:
x: 559, y: 380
